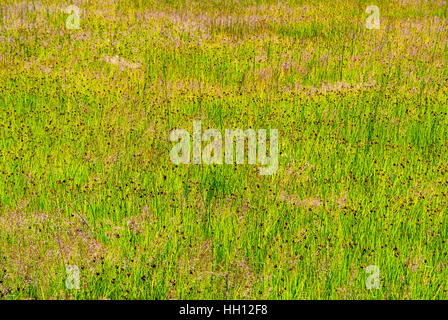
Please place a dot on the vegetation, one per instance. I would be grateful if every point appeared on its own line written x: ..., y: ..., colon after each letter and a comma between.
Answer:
x: 86, y: 178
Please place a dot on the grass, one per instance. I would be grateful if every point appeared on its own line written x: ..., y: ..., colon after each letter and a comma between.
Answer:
x: 86, y: 178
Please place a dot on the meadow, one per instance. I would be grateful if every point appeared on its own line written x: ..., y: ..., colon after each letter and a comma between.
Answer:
x: 86, y: 178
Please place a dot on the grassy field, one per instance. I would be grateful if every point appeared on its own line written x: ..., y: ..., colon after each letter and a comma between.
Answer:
x: 86, y: 177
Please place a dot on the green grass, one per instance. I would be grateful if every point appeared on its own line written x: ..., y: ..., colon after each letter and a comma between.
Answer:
x: 86, y: 178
